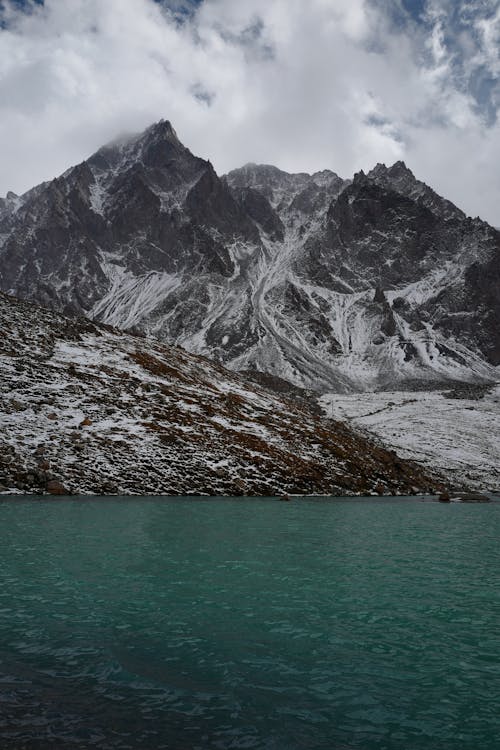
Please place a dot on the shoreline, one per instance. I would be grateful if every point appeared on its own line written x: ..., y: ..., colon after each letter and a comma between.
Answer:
x: 455, y: 499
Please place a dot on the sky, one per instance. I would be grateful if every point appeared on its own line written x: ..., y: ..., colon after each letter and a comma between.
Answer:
x: 302, y: 84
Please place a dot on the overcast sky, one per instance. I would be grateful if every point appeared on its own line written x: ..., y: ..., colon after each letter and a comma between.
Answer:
x: 303, y: 84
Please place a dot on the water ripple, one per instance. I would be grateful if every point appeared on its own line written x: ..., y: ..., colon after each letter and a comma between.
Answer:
x: 249, y: 624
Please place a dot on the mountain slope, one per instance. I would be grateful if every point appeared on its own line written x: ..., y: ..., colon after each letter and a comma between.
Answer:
x: 453, y: 431
x: 144, y: 205
x: 88, y: 409
x: 332, y: 284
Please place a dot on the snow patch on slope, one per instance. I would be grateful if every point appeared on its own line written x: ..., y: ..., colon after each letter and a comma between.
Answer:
x: 458, y: 437
x: 131, y: 298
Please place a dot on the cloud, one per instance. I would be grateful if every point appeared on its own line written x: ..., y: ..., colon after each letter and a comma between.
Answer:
x: 305, y: 86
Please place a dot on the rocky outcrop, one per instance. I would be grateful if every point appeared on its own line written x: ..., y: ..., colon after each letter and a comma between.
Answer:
x: 463, y: 497
x: 257, y: 206
x: 401, y: 179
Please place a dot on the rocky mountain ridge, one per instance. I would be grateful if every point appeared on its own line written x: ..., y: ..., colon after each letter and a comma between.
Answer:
x: 331, y: 284
x: 86, y: 409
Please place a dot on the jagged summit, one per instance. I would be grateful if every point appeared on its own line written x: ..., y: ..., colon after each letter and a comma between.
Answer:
x: 400, y: 178
x: 397, y: 175
x: 262, y: 269
x: 284, y: 190
x: 395, y: 170
x: 254, y: 171
x: 156, y: 147
x: 257, y: 168
x: 359, y: 176
x: 161, y: 130
x: 162, y: 136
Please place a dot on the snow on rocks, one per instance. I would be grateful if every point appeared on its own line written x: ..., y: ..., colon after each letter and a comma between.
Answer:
x: 455, y: 432
x: 90, y: 410
x: 262, y: 269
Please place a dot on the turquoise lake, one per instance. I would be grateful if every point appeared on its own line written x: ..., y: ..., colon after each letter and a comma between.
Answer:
x: 190, y: 624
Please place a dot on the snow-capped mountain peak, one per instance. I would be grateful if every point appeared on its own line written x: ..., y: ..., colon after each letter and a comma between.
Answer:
x: 263, y: 269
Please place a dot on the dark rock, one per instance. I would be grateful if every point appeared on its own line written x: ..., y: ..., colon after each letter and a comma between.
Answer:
x: 469, y: 391
x: 304, y: 397
x: 55, y: 487
x: 256, y: 205
x: 388, y: 325
x: 473, y: 497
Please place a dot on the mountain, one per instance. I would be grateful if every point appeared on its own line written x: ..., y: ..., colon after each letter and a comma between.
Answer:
x: 331, y: 284
x: 141, y: 206
x: 88, y: 409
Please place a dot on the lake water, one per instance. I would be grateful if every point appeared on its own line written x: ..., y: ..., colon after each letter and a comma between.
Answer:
x: 184, y: 624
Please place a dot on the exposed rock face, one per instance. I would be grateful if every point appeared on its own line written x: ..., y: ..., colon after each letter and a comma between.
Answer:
x: 294, y: 195
x: 88, y: 409
x: 333, y: 284
x: 402, y: 180
x: 142, y: 206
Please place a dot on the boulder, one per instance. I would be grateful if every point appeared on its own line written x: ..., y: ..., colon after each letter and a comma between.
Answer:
x: 463, y: 497
x: 55, y: 487
x: 473, y: 497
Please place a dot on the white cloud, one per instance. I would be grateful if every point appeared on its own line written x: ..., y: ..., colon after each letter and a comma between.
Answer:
x: 302, y: 85
x: 489, y: 30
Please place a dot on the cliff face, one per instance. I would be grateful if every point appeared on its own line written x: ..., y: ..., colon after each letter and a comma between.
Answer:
x: 332, y: 284
x: 145, y: 205
x: 87, y: 409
